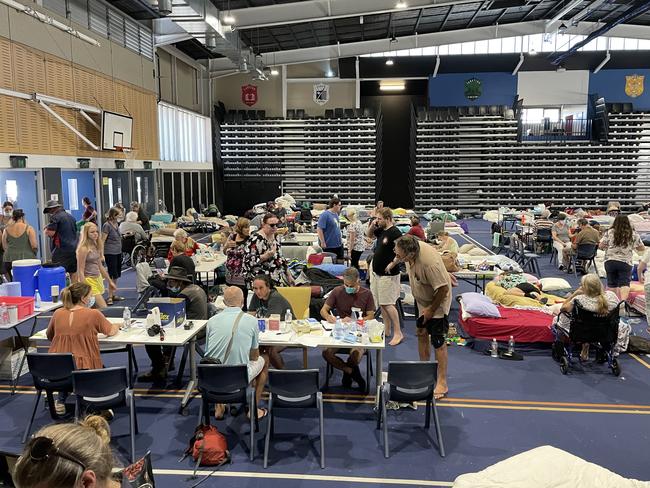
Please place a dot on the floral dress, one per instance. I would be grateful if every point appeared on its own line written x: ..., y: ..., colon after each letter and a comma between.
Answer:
x: 235, y: 263
x: 275, y: 268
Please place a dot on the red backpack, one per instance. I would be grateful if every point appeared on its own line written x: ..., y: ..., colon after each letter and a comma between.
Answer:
x: 208, y: 447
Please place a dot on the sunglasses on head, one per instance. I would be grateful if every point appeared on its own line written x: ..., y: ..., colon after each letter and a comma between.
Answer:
x: 43, y: 449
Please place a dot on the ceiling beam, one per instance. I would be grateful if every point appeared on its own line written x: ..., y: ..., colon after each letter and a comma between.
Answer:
x: 444, y: 21
x: 417, y: 22
x: 530, y: 11
x: 476, y: 12
x: 320, y: 10
x: 503, y: 12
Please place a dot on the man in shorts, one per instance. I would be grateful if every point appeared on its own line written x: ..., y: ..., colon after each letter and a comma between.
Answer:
x: 431, y: 288
x: 62, y: 230
x: 384, y: 275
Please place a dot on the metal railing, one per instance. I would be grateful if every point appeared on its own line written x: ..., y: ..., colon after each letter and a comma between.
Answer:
x: 563, y: 130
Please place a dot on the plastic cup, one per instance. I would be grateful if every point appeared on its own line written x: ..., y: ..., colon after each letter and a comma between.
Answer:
x: 54, y: 290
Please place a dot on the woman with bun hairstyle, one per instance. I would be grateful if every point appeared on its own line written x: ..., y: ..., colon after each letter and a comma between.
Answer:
x: 74, y: 329
x: 18, y: 240
x: 68, y: 456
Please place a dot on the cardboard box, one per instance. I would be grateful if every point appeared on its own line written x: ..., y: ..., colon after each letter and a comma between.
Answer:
x: 172, y: 310
x: 11, y: 354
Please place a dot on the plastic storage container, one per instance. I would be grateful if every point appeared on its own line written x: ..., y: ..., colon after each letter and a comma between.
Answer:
x: 11, y: 289
x: 48, y: 277
x: 24, y: 271
x: 25, y: 305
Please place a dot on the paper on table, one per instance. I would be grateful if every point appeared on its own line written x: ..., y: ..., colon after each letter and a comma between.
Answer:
x: 308, y: 340
x: 271, y: 336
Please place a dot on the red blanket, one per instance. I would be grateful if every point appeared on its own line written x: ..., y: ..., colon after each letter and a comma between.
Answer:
x: 523, y: 325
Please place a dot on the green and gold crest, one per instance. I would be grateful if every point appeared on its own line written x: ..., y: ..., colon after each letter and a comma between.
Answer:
x: 473, y: 89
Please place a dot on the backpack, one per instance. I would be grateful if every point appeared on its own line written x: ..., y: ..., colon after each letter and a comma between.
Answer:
x: 639, y: 345
x: 208, y: 447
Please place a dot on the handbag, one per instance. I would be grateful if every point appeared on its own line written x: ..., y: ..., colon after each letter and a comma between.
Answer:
x: 450, y: 261
x: 210, y: 360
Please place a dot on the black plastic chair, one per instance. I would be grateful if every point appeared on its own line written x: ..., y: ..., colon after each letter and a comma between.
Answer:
x: 338, y: 113
x: 227, y: 384
x: 291, y: 113
x: 103, y: 389
x: 544, y: 238
x: 410, y: 381
x: 294, y: 389
x: 51, y: 373
x: 329, y: 113
x: 586, y: 255
x: 300, y: 113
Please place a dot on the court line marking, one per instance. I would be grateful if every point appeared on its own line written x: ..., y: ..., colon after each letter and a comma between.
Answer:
x: 306, y: 477
x: 640, y: 360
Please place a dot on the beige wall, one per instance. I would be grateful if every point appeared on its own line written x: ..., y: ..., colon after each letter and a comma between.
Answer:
x: 301, y: 95
x: 186, y: 86
x: 269, y: 93
x: 317, y: 69
x: 165, y: 75
x: 109, y: 59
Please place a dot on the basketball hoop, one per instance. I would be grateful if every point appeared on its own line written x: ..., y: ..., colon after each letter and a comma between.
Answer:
x: 123, y: 149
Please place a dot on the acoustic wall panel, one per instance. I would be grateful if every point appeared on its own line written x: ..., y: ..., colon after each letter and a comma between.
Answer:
x: 8, y: 135
x: 59, y: 84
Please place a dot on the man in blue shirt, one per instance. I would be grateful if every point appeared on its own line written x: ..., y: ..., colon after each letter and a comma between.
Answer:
x: 329, y: 229
x: 239, y: 330
x: 62, y: 230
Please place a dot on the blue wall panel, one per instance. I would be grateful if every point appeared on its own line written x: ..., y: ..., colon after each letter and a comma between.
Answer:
x: 85, y: 188
x: 610, y: 84
x: 449, y: 89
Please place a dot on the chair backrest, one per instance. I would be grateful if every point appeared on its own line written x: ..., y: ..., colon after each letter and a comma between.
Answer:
x: 293, y: 383
x: 412, y: 375
x: 587, y: 326
x: 299, y: 298
x: 99, y: 383
x: 50, y: 368
x: 586, y: 251
x: 543, y: 234
x: 222, y: 378
x: 128, y: 242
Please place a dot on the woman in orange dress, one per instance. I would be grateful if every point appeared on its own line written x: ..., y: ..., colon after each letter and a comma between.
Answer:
x: 74, y: 329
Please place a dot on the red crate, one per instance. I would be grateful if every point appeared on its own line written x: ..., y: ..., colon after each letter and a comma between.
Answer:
x: 25, y: 305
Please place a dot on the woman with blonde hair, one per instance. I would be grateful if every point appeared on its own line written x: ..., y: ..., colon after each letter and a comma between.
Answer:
x: 356, y: 240
x: 182, y: 245
x: 90, y: 255
x: 592, y: 297
x: 235, y: 250
x: 74, y: 328
x: 68, y: 456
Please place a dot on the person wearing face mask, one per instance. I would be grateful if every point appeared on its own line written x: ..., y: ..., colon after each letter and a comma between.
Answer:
x: 178, y: 284
x: 90, y: 255
x: 344, y: 299
x: 74, y: 328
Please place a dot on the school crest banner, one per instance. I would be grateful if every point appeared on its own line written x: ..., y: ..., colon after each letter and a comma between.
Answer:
x: 249, y: 95
x: 634, y: 85
x: 321, y: 93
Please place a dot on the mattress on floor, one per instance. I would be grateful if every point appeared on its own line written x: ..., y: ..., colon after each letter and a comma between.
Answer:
x: 636, y: 299
x: 523, y: 325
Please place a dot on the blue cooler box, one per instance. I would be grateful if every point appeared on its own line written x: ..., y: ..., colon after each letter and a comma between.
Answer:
x: 172, y: 310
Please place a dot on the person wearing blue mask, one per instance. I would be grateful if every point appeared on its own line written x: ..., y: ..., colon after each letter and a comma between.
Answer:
x: 74, y: 328
x: 345, y: 299
x: 178, y: 284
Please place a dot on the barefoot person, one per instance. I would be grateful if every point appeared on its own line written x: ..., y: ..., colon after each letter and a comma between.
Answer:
x: 431, y: 288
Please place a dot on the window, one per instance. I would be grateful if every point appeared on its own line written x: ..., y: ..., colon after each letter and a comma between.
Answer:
x: 73, y: 194
x: 138, y: 188
x: 184, y: 135
x: 11, y: 190
x: 111, y: 202
x: 455, y: 49
x: 552, y: 114
x: 533, y: 115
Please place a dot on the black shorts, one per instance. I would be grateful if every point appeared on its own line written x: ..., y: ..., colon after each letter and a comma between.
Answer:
x: 437, y: 329
x: 67, y: 259
x: 335, y: 250
x: 618, y: 273
x: 114, y: 265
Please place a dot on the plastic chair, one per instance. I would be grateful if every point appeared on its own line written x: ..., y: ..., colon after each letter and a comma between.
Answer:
x: 585, y: 253
x: 51, y: 373
x: 223, y: 383
x: 294, y: 389
x: 103, y: 389
x: 410, y: 381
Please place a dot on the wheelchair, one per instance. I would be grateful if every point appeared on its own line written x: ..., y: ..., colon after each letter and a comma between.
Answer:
x: 128, y: 245
x: 599, y: 331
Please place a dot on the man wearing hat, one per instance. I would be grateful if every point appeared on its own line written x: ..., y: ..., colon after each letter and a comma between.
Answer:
x: 62, y: 231
x: 179, y: 284
x: 613, y: 208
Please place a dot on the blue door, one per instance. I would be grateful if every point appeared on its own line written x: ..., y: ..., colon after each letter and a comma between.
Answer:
x: 76, y: 185
x: 20, y: 188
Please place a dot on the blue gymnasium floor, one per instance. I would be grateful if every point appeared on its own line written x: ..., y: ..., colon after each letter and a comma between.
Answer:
x: 495, y: 409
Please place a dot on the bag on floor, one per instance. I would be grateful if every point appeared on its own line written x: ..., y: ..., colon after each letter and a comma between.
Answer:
x: 140, y: 473
x: 208, y: 447
x: 639, y: 345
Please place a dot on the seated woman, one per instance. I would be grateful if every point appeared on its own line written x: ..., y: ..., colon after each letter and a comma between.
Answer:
x: 592, y: 297
x: 131, y: 226
x: 68, y: 456
x: 446, y: 242
x: 182, y: 245
x: 74, y: 329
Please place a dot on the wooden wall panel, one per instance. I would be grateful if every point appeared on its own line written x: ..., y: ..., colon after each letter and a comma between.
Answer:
x: 28, y: 128
x: 33, y: 120
x: 8, y: 134
x: 59, y: 84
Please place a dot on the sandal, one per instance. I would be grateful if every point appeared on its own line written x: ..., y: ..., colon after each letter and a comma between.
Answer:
x: 441, y: 395
x: 109, y: 301
x: 117, y: 298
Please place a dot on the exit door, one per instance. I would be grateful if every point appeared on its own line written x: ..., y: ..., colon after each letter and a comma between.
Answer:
x: 116, y: 188
x: 75, y: 185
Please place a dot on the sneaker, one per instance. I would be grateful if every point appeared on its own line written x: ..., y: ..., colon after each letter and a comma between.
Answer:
x: 59, y: 407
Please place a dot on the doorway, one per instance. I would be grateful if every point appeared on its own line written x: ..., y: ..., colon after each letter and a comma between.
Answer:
x: 75, y: 185
x: 21, y: 188
x: 116, y: 188
x: 144, y: 190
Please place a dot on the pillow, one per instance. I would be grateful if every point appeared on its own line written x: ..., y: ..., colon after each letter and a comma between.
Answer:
x: 531, y: 279
x: 464, y: 249
x: 479, y: 305
x: 554, y: 284
x: 477, y: 251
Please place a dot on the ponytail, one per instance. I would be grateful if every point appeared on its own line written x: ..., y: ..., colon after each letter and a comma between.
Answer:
x: 73, y: 294
x: 603, y: 305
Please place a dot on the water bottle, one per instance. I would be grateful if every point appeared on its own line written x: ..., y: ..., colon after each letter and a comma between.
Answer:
x: 353, y: 316
x: 288, y: 317
x: 337, y: 333
x: 494, y: 350
x: 4, y: 314
x: 126, y: 319
x: 37, y: 300
x: 511, y: 346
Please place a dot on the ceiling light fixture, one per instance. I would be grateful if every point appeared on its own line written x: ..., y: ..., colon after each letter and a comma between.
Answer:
x: 329, y: 73
x: 228, y: 19
x: 275, y: 71
x: 562, y: 29
x: 401, y: 4
x: 392, y: 87
x: 389, y: 62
